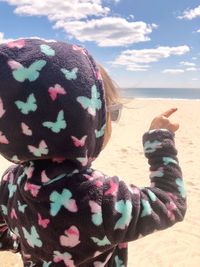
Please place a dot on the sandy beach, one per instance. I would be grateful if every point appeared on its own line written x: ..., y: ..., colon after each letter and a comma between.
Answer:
x: 123, y: 156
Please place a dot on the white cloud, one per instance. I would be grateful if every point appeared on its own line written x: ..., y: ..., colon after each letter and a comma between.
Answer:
x: 173, y: 71
x: 3, y: 39
x: 187, y: 64
x: 56, y: 10
x: 191, y: 69
x: 75, y: 18
x: 190, y: 13
x: 198, y: 31
x: 138, y: 60
x: 108, y: 31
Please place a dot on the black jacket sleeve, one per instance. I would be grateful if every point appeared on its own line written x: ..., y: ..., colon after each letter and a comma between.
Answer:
x: 130, y: 212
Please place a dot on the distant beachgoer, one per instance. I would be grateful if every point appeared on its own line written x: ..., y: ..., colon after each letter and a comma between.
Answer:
x: 56, y: 109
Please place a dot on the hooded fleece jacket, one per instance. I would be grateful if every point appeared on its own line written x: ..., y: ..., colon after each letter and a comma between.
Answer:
x: 54, y: 208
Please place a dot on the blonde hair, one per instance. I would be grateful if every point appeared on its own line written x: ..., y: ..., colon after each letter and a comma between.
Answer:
x: 111, y: 92
x: 112, y: 97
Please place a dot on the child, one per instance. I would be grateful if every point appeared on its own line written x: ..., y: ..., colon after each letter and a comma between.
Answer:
x: 55, y: 118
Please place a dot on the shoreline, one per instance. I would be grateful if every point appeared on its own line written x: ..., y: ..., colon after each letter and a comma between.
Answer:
x: 159, y: 98
x: 160, y: 93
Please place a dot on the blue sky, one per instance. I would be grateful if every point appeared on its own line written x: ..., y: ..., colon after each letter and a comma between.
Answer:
x: 141, y: 43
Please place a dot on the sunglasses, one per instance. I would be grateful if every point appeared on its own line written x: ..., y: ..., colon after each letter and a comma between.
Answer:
x: 115, y: 111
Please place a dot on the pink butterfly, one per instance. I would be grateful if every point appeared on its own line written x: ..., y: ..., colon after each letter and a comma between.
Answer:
x: 9, y: 177
x: 95, y: 208
x: 101, y: 264
x: 123, y: 245
x: 66, y: 257
x: 134, y: 190
x: 54, y: 91
x: 44, y: 177
x: 2, y: 110
x: 88, y: 177
x: 34, y: 189
x: 79, y: 49
x: 71, y: 237
x: 29, y: 172
x: 3, y: 139
x: 170, y: 208
x: 79, y: 142
x: 25, y: 256
x: 14, y: 65
x: 18, y: 44
x: 25, y: 129
x: 43, y: 222
x: 6, y: 177
x: 13, y: 214
x: 112, y: 190
x: 98, y: 75
x: 97, y: 174
x: 98, y: 183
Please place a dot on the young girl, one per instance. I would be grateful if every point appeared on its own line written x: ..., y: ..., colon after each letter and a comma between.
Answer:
x: 56, y: 107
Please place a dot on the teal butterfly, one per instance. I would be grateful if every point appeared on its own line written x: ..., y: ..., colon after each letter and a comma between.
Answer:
x: 19, y: 179
x: 32, y: 237
x: 181, y: 187
x: 15, y: 159
x: 91, y: 104
x: 12, y: 189
x: 119, y: 263
x: 150, y: 147
x: 58, y: 125
x: 97, y: 213
x: 21, y: 73
x: 21, y: 207
x: 28, y: 106
x: 4, y: 210
x: 101, y: 242
x: 101, y: 132
x: 70, y: 75
x: 47, y: 50
x: 125, y: 208
x: 152, y: 196
x: 168, y: 160
x: 46, y: 264
x: 39, y: 151
x: 146, y: 208
x: 63, y: 199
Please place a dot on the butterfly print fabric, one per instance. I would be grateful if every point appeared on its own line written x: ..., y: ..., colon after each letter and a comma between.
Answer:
x: 54, y: 208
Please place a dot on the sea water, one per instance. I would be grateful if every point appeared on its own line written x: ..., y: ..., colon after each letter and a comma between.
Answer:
x: 171, y: 93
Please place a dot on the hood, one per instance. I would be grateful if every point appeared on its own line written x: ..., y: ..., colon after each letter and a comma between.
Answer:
x: 52, y: 103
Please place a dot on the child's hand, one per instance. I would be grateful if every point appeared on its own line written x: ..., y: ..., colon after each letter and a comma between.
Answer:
x: 162, y: 121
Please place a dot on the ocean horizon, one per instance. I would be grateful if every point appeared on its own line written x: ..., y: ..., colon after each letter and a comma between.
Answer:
x: 160, y: 93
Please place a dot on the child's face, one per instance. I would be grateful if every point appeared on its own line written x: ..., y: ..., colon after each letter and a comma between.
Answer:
x: 108, y: 130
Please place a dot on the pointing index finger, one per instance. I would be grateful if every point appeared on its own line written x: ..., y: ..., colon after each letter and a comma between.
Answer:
x: 169, y: 112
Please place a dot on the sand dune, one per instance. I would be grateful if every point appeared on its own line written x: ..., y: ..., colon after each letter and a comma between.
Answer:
x: 179, y: 245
